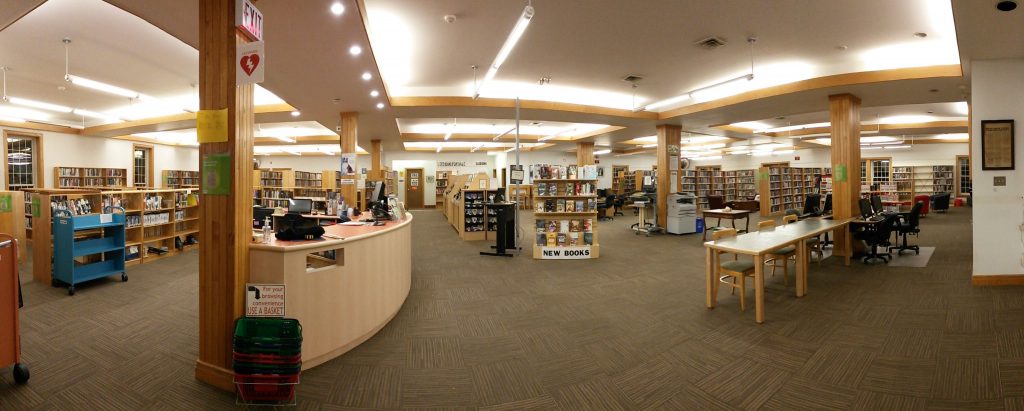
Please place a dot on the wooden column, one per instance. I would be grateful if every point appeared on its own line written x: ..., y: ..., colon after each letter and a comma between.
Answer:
x: 349, y: 131
x: 376, y: 165
x: 668, y: 135
x: 844, y: 113
x: 585, y: 153
x: 224, y: 220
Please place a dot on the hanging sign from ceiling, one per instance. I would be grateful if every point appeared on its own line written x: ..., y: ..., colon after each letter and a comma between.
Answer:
x: 249, y: 19
x: 249, y: 63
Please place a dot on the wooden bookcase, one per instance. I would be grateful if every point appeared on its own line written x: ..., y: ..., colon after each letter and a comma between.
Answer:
x: 566, y: 216
x: 619, y: 180
x: 441, y: 182
x: 180, y: 178
x: 89, y: 177
x: 786, y: 187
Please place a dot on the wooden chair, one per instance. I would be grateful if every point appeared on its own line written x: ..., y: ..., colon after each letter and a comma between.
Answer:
x: 732, y: 269
x: 781, y: 255
x: 813, y: 244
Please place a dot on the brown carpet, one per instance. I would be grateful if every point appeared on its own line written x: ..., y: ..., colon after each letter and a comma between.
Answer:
x: 627, y: 331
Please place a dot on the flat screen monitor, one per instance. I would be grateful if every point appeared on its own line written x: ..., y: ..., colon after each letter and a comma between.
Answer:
x: 827, y: 208
x: 811, y: 203
x: 259, y: 214
x: 378, y: 191
x: 865, y: 208
x: 876, y: 204
x: 300, y: 205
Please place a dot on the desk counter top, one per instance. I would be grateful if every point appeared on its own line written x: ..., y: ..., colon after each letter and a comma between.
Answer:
x: 348, y: 233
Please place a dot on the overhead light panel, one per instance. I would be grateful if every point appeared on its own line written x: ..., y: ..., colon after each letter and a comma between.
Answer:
x: 286, y: 139
x: 104, y: 87
x: 12, y: 119
x: 690, y: 94
x: 556, y: 134
x: 439, y: 149
x: 503, y: 134
x: 601, y: 152
x: 337, y: 8
x: 506, y: 49
x: 39, y: 105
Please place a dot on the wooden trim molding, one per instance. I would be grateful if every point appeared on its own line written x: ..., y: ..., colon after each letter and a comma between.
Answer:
x: 997, y: 280
x: 28, y: 125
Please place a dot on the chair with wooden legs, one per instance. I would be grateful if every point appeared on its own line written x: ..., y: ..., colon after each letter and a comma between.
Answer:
x: 733, y: 270
x: 813, y: 244
x: 781, y: 255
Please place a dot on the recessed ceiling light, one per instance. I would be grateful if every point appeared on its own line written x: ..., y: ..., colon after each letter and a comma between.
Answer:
x: 380, y: 105
x: 931, y: 112
x: 934, y: 90
x: 1006, y: 5
x: 842, y: 47
x: 355, y: 50
x: 337, y: 8
x: 374, y: 93
x: 296, y: 113
x: 920, y: 34
x: 367, y: 76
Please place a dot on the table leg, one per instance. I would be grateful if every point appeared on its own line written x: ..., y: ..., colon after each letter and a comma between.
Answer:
x: 849, y: 245
x: 748, y: 223
x: 709, y: 272
x: 733, y: 223
x: 801, y: 268
x: 759, y: 288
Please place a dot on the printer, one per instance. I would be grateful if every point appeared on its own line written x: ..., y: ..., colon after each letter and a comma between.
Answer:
x: 682, y: 213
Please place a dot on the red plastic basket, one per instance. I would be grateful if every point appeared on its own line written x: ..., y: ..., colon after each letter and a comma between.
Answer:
x: 267, y: 358
x: 266, y: 387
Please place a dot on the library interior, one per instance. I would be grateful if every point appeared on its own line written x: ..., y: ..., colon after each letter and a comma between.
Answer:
x: 510, y: 205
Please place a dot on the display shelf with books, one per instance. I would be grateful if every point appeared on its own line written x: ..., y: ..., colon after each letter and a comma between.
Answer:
x: 180, y: 178
x: 306, y: 179
x: 745, y: 185
x: 441, y: 182
x: 924, y: 182
x: 688, y: 182
x: 942, y: 179
x: 472, y: 224
x: 618, y: 180
x: 710, y: 181
x: 565, y: 208
x: 88, y: 177
x: 904, y: 180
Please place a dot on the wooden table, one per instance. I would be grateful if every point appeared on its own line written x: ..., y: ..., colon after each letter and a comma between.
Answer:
x: 758, y: 243
x: 721, y: 213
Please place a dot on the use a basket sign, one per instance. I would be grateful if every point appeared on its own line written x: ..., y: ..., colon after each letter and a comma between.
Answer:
x: 264, y: 300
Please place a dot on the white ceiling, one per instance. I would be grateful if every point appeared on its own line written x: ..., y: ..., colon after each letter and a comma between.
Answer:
x: 902, y: 114
x: 985, y: 33
x: 591, y: 45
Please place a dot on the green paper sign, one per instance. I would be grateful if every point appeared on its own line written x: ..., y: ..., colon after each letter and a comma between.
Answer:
x: 763, y: 176
x: 35, y: 206
x: 5, y: 203
x: 841, y: 173
x: 216, y: 179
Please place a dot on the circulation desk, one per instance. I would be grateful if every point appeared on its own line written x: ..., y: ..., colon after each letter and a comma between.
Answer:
x: 344, y: 299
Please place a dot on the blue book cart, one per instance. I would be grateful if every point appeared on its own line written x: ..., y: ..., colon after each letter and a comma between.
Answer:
x: 69, y: 266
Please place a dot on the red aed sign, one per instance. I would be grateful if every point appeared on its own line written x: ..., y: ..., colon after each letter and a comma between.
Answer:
x: 249, y: 20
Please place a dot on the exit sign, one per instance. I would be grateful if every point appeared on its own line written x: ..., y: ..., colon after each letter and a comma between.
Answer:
x: 249, y: 20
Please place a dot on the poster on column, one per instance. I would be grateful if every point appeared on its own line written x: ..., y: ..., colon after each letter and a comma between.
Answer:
x: 216, y: 174
x: 348, y: 164
x: 249, y: 63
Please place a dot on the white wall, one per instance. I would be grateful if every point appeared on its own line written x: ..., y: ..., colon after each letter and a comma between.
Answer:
x: 997, y: 93
x: 69, y: 150
x: 918, y: 155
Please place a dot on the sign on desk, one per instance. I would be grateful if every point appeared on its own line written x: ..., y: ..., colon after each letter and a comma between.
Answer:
x: 264, y: 300
x: 564, y: 253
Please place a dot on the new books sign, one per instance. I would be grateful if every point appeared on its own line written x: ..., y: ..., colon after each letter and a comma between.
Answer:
x: 565, y: 253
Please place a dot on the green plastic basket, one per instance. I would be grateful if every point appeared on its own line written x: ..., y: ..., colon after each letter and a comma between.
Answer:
x: 279, y: 331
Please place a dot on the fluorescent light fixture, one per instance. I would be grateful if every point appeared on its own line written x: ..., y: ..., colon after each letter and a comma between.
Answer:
x: 39, y: 104
x: 792, y: 128
x: 761, y: 153
x: 666, y: 102
x: 906, y: 119
x: 506, y: 49
x: 355, y: 50
x: 556, y: 134
x: 296, y: 113
x: 877, y: 139
x: 367, y: 76
x: 18, y: 112
x: 380, y: 105
x: 337, y: 8
x: 649, y: 145
x: 601, y: 152
x: 510, y: 150
x: 12, y: 119
x: 293, y: 152
x: 703, y: 93
x: 447, y: 136
x: 439, y: 149
x: 954, y: 136
x: 871, y: 148
x: 721, y: 89
x: 374, y: 93
x: 93, y: 114
x: 708, y: 158
x: 782, y: 152
x: 286, y: 139
x: 896, y: 147
x: 752, y: 125
x: 503, y: 134
x: 104, y: 87
x: 738, y: 152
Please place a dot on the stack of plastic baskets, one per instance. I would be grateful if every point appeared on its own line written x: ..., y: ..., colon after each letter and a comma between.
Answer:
x: 267, y: 359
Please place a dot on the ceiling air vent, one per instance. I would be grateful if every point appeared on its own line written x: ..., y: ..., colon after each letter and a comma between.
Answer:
x: 632, y: 78
x: 711, y: 43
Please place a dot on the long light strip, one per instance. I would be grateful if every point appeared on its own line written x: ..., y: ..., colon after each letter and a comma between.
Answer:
x: 104, y: 87
x: 39, y: 104
x: 12, y: 119
x: 601, y: 152
x: 503, y: 134
x: 286, y: 139
x: 556, y: 134
x: 506, y: 49
x: 93, y: 114
x: 689, y: 94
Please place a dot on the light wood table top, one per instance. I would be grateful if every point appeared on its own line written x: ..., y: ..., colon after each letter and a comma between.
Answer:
x: 715, y: 212
x: 760, y: 242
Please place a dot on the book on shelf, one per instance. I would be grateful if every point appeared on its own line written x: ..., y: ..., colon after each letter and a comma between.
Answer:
x: 575, y: 225
x: 574, y: 239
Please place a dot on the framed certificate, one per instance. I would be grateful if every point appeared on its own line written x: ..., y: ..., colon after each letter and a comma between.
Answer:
x: 997, y: 145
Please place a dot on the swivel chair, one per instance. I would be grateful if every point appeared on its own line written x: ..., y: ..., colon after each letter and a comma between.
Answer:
x: 878, y: 236
x: 602, y: 208
x: 940, y: 202
x: 908, y: 224
x: 716, y: 202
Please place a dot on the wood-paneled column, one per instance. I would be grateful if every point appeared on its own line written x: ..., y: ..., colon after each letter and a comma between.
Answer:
x: 349, y: 132
x: 225, y: 221
x: 844, y: 113
x: 585, y: 153
x: 376, y: 154
x: 668, y: 135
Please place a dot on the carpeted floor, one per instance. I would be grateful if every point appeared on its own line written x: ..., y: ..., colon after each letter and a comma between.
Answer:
x: 626, y: 331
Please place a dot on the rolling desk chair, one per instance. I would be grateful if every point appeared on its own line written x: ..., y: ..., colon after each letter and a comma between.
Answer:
x: 908, y: 224
x: 620, y: 201
x: 716, y: 202
x: 602, y: 208
x: 940, y: 202
x: 875, y: 231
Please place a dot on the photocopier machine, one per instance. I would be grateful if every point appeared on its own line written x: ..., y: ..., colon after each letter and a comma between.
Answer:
x: 682, y: 213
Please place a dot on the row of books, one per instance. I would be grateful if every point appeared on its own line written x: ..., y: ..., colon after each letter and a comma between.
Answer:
x: 70, y: 182
x: 562, y: 205
x: 157, y: 218
x: 132, y: 220
x: 79, y: 206
x: 153, y: 202
x: 564, y: 239
x: 556, y: 172
x: 274, y: 194
x: 567, y: 189
x: 585, y: 225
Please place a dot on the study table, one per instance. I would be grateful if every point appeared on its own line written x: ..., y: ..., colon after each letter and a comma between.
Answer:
x: 720, y: 213
x: 342, y: 288
x: 759, y: 243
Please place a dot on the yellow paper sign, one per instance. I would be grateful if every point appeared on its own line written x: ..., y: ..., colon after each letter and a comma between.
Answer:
x: 212, y: 126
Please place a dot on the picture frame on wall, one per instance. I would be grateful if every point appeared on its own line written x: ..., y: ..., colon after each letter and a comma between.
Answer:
x: 600, y: 171
x: 997, y: 147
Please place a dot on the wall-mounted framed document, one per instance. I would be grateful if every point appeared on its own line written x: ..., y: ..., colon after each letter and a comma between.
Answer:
x: 997, y: 145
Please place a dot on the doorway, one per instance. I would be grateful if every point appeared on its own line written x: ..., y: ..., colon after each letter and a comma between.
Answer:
x: 414, y: 184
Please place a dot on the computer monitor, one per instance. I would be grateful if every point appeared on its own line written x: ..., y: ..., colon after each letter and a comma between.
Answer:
x: 259, y: 214
x: 876, y: 204
x: 811, y: 203
x: 300, y: 205
x: 865, y: 208
x: 378, y: 192
x: 827, y: 208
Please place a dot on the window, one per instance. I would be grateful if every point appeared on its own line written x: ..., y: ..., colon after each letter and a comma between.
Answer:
x: 963, y: 166
x: 880, y: 172
x: 23, y: 162
x: 142, y: 166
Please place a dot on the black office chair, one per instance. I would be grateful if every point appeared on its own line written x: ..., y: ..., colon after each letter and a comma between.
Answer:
x: 876, y: 204
x: 865, y: 208
x: 878, y: 237
x: 827, y: 208
x: 907, y: 225
x: 620, y: 201
x: 940, y: 202
x: 602, y: 208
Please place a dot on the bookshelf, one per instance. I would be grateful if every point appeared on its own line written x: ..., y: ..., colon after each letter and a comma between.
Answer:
x: 441, y: 182
x: 903, y: 178
x: 783, y: 187
x: 180, y: 178
x: 929, y: 180
x: 710, y: 181
x: 619, y: 180
x: 745, y: 185
x: 89, y: 177
x: 688, y: 182
x: 565, y: 209
x: 306, y: 179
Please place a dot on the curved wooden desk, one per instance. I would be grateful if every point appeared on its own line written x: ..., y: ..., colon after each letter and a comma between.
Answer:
x: 342, y: 302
